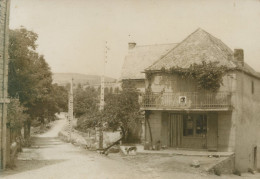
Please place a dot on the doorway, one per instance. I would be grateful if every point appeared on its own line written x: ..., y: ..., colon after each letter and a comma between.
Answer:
x: 175, y: 132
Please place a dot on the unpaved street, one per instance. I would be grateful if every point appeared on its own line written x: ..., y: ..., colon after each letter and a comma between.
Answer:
x: 50, y: 158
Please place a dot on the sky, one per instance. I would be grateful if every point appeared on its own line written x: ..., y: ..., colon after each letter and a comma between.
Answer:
x: 73, y: 33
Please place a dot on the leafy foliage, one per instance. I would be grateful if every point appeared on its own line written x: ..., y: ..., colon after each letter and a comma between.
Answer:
x: 208, y: 75
x: 121, y: 110
x: 16, y: 115
x: 85, y: 101
x: 89, y: 120
x: 30, y: 79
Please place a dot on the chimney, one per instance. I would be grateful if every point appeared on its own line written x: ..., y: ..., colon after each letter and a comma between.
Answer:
x: 239, y: 56
x: 131, y: 45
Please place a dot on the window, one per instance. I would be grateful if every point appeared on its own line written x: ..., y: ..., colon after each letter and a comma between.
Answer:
x: 195, y: 125
x: 201, y: 125
x: 188, y: 125
x: 253, y: 87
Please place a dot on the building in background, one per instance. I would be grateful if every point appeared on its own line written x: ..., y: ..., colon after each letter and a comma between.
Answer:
x: 4, y: 27
x: 138, y: 59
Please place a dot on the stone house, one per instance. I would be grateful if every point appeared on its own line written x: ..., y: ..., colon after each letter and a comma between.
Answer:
x: 181, y: 115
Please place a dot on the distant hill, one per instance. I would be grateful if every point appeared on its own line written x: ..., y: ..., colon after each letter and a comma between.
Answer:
x: 64, y: 78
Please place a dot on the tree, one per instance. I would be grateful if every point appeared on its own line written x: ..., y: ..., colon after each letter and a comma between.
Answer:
x: 21, y: 78
x: 22, y: 55
x: 15, y: 119
x: 123, y: 110
x: 85, y: 101
x: 30, y: 79
x: 59, y: 100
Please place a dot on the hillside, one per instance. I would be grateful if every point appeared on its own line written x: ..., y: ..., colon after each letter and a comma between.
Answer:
x: 64, y: 78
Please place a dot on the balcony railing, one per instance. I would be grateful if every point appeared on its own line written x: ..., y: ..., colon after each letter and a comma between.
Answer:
x: 186, y: 100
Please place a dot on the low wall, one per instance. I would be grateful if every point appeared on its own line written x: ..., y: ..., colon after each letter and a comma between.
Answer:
x: 90, y: 139
x: 225, y: 166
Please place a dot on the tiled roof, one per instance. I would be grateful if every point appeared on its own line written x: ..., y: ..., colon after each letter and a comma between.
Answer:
x: 197, y: 47
x: 141, y: 57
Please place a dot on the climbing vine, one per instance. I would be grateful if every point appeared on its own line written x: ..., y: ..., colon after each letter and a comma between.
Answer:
x: 208, y: 75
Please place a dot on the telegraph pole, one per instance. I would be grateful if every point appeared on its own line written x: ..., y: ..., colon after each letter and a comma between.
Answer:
x: 102, y: 95
x: 70, y: 110
x: 102, y: 98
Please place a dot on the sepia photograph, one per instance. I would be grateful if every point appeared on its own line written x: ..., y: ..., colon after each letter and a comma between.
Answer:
x: 129, y: 89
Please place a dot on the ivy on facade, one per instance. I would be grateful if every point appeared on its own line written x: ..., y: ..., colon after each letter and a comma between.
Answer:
x: 209, y: 76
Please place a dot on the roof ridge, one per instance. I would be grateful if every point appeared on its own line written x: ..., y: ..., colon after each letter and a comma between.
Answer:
x: 215, y: 38
x: 174, y: 48
x: 156, y: 44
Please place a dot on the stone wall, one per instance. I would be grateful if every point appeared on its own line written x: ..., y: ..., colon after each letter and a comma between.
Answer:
x: 4, y: 27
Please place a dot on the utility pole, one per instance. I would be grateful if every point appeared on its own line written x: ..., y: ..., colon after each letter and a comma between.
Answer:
x: 102, y: 95
x: 70, y: 110
x: 102, y: 98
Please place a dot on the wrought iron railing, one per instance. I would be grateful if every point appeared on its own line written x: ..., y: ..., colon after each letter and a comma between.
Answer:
x: 189, y: 100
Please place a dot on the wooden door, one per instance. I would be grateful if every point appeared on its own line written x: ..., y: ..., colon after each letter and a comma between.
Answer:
x: 165, y: 128
x: 175, y: 130
x: 212, y: 132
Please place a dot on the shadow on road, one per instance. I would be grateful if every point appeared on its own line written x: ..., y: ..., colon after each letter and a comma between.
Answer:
x: 22, y: 166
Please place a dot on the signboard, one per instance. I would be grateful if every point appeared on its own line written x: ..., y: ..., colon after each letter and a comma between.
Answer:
x: 182, y: 100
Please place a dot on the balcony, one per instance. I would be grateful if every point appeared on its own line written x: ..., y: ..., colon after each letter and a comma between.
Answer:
x: 193, y: 101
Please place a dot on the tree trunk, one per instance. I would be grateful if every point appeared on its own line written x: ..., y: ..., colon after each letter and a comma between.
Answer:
x: 27, y: 132
x: 42, y: 122
x: 8, y: 144
x: 19, y: 142
x: 123, y: 134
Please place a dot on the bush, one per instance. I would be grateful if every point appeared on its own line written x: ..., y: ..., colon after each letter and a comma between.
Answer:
x: 88, y: 121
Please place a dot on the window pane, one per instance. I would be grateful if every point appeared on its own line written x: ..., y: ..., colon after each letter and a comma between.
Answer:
x: 201, y: 125
x: 187, y: 125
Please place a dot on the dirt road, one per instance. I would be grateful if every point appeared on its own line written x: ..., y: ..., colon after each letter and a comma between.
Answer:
x: 50, y: 158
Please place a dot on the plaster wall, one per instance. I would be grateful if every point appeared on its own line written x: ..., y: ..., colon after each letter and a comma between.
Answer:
x: 171, y: 83
x: 155, y: 124
x: 226, y: 132
x: 174, y: 83
x: 247, y: 122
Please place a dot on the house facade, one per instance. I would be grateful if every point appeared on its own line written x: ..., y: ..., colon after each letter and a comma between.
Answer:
x: 179, y: 114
